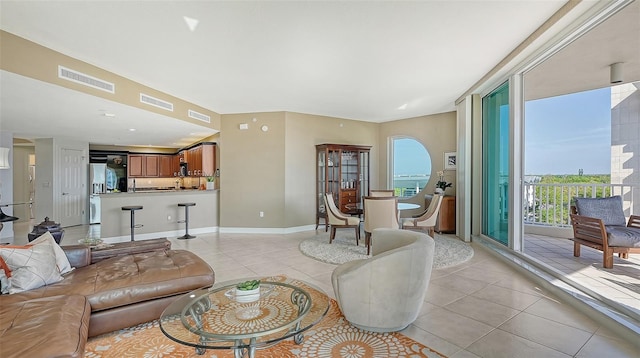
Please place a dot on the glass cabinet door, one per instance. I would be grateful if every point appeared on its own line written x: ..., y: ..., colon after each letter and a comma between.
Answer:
x: 364, y: 175
x: 321, y: 177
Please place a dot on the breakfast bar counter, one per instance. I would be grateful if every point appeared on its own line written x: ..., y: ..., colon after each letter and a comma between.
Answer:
x: 160, y: 214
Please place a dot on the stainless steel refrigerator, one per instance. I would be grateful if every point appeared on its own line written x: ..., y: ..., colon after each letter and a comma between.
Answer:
x: 98, y: 180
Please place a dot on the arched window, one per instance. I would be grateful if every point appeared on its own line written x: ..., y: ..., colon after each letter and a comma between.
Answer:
x: 411, y: 166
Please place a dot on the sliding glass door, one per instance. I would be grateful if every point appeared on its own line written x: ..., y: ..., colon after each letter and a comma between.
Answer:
x: 495, y: 164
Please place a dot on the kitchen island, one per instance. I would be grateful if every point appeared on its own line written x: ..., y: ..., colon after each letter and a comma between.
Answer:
x: 160, y: 213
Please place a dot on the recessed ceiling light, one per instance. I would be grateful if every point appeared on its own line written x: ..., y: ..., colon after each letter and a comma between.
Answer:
x: 404, y: 106
x: 191, y: 23
x: 107, y: 114
x: 132, y: 129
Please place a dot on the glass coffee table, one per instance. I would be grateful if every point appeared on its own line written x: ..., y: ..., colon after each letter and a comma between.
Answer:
x: 217, y: 318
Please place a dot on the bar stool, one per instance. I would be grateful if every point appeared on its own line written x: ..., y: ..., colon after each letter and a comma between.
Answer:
x: 186, y: 235
x: 133, y: 209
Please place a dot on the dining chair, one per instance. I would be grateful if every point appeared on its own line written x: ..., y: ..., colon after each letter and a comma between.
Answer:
x: 337, y: 220
x: 380, y: 192
x: 379, y: 212
x: 427, y: 220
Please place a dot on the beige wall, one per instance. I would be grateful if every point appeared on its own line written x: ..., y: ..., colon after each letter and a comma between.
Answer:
x: 274, y: 171
x: 252, y: 171
x: 436, y: 132
x: 303, y: 132
x: 29, y: 59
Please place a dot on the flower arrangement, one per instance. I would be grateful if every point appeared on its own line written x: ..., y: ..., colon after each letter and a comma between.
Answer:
x: 441, y: 184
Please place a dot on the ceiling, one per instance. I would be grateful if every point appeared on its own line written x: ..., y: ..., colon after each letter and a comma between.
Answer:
x: 370, y: 61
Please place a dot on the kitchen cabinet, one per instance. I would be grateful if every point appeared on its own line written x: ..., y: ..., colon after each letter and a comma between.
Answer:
x: 446, y: 222
x: 343, y: 171
x: 175, y: 164
x: 166, y: 166
x: 143, y: 165
x: 201, y: 160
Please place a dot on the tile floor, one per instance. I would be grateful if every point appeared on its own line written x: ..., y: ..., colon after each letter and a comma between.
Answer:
x: 482, y: 308
x: 620, y: 284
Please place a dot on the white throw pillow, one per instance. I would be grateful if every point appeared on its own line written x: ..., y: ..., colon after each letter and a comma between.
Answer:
x: 61, y: 258
x: 31, y: 266
x: 4, y: 283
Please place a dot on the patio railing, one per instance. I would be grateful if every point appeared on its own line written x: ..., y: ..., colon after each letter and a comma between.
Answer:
x: 550, y: 204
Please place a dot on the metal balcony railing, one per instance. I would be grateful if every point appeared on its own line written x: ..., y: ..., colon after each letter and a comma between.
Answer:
x: 550, y: 204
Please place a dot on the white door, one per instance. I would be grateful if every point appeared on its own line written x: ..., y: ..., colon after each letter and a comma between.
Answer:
x: 73, y: 190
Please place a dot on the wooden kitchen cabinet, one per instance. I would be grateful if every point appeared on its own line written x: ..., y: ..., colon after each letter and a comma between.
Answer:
x: 143, y: 165
x: 201, y: 160
x: 446, y: 222
x: 166, y: 166
x: 135, y: 166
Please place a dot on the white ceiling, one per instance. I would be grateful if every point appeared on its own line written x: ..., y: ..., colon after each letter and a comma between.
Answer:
x: 370, y: 61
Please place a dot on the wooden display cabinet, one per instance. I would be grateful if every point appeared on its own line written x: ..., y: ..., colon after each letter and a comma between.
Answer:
x: 343, y: 171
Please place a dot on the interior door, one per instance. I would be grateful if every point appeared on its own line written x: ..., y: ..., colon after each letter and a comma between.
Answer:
x: 72, y: 201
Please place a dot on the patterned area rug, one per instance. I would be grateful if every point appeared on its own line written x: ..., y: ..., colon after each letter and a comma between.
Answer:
x: 449, y: 252
x: 332, y: 337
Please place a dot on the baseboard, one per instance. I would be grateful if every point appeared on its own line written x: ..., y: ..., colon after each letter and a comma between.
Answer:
x: 269, y: 230
x: 155, y: 235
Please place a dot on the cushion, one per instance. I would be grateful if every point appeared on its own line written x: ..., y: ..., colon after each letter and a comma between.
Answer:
x: 4, y: 282
x: 609, y: 210
x: 30, y: 266
x: 623, y: 236
x: 61, y: 259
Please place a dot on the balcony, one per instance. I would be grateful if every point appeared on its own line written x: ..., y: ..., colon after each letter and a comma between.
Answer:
x: 547, y: 227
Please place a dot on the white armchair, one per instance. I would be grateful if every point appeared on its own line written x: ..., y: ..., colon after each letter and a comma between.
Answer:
x: 385, y: 292
x: 337, y: 219
x: 427, y: 220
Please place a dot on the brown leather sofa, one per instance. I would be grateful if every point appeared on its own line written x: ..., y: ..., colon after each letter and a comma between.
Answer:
x: 110, y: 289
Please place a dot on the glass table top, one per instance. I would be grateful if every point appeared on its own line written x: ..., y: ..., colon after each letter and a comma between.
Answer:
x: 222, y: 318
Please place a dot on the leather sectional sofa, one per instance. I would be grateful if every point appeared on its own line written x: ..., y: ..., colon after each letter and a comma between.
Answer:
x: 110, y: 289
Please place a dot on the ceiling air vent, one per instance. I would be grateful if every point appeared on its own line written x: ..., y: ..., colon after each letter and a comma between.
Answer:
x: 199, y: 116
x: 84, y: 79
x: 152, y: 101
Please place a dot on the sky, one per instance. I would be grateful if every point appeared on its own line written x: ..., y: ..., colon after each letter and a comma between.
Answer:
x: 563, y: 134
x: 566, y: 133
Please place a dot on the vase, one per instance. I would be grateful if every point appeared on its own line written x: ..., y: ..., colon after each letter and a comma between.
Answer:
x: 439, y: 191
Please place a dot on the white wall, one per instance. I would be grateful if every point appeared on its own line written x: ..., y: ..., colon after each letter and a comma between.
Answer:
x: 625, y: 139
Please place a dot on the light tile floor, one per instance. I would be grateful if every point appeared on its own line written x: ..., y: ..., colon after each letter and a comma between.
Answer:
x: 620, y: 284
x: 482, y: 308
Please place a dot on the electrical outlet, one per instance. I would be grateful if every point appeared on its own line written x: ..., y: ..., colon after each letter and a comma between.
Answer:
x: 262, y: 214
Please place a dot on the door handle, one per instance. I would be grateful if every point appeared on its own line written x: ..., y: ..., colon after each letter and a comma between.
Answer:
x: 65, y: 193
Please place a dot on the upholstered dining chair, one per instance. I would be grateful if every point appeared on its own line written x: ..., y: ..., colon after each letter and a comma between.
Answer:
x: 385, y: 293
x: 380, y: 192
x: 379, y: 212
x: 338, y: 220
x: 427, y: 220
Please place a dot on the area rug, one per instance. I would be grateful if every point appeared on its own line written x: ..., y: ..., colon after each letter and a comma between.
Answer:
x: 449, y: 252
x: 331, y: 337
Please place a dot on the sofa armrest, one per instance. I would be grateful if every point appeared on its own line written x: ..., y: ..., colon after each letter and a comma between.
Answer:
x: 128, y: 248
x: 78, y: 255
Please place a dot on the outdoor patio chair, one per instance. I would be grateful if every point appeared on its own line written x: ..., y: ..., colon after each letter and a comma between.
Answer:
x: 600, y: 223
